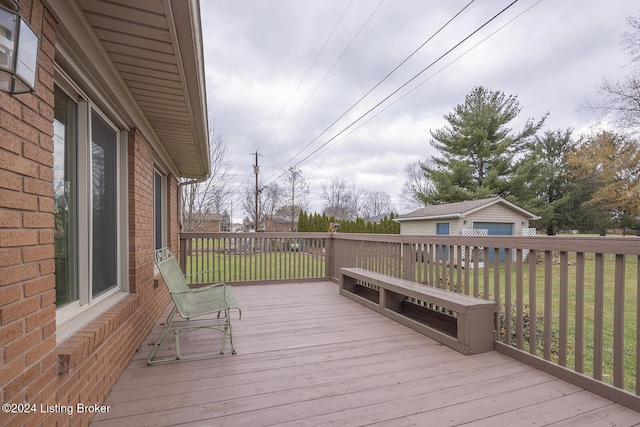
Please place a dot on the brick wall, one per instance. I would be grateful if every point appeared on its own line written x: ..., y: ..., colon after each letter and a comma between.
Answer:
x: 141, y: 243
x: 27, y: 284
x: 35, y: 369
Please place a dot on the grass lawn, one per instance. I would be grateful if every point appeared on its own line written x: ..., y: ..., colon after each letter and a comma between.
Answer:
x: 255, y: 266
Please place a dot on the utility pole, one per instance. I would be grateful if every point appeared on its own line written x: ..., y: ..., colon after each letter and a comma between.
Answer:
x: 256, y: 170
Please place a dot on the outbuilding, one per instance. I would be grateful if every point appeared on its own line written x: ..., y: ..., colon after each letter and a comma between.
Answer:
x: 496, y: 215
x: 488, y: 217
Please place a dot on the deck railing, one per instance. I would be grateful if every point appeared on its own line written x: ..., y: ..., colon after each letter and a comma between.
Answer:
x: 568, y: 305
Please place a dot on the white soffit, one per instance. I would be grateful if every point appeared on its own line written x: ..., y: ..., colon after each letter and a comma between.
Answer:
x: 155, y: 46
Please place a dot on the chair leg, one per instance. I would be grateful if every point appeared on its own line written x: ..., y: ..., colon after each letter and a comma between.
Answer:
x: 230, y: 332
x: 162, y: 337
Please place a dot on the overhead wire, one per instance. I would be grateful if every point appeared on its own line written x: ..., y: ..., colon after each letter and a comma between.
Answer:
x: 299, y: 85
x: 327, y: 74
x: 432, y: 75
x: 306, y: 74
x: 405, y: 84
x: 379, y: 83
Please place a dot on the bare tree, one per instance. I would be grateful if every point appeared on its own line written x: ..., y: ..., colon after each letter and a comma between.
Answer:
x: 621, y: 99
x: 344, y: 200
x: 269, y: 200
x: 272, y: 199
x: 296, y: 192
x: 416, y: 183
x: 202, y: 200
x: 376, y: 203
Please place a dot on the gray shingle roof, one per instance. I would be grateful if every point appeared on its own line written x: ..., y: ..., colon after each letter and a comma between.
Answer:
x: 458, y: 208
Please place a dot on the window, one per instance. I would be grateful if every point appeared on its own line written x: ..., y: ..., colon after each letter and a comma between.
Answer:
x: 88, y: 198
x: 159, y: 209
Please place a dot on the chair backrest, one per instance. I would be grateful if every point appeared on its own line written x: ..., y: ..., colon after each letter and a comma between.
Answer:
x: 170, y: 271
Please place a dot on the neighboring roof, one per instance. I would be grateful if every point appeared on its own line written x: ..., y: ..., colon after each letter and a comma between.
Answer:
x: 146, y: 59
x: 283, y: 219
x: 378, y: 218
x: 461, y: 209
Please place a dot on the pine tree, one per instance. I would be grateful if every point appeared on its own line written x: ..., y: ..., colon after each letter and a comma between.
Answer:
x: 477, y: 148
x: 303, y: 222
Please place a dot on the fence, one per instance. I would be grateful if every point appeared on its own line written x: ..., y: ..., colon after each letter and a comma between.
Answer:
x: 568, y: 305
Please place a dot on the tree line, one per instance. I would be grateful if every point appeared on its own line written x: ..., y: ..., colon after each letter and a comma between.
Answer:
x: 322, y: 223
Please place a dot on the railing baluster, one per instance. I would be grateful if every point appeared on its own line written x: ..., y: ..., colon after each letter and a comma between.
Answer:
x: 496, y: 288
x: 458, y: 265
x: 476, y: 272
x: 507, y: 296
x: 431, y: 255
x: 637, y: 322
x: 598, y: 320
x: 519, y: 299
x: 618, y: 322
x: 485, y: 260
x: 564, y: 308
x: 548, y: 301
x: 467, y: 265
x: 579, y: 333
x: 533, y: 313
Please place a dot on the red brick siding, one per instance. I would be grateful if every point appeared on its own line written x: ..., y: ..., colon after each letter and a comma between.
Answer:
x: 172, y: 213
x: 84, y: 367
x: 27, y: 308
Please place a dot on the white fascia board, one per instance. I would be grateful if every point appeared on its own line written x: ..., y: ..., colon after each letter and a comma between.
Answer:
x: 513, y: 206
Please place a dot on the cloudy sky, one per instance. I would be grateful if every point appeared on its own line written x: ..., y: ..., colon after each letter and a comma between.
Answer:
x: 280, y: 72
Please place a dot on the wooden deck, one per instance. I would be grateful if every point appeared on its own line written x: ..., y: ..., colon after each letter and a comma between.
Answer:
x: 309, y: 356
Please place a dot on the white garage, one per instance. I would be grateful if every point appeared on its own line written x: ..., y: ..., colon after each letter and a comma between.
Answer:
x: 497, y: 215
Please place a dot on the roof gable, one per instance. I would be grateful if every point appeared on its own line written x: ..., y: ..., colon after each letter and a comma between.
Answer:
x: 461, y: 209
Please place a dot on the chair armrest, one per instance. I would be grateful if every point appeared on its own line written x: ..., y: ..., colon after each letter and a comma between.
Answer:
x: 208, y: 287
x: 204, y: 272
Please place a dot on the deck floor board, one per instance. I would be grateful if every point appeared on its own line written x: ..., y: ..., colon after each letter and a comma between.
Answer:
x: 308, y: 356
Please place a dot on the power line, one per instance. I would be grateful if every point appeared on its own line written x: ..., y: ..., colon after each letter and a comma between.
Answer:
x: 323, y: 78
x: 378, y: 84
x: 306, y: 74
x: 434, y: 74
x: 406, y: 83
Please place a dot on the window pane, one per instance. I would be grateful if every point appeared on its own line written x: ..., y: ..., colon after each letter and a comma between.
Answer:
x: 157, y: 184
x: 104, y: 206
x: 65, y: 198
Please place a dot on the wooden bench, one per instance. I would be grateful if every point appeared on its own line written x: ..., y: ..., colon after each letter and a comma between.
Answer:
x: 462, y: 322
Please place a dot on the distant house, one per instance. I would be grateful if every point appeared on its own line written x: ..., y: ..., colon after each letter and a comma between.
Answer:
x: 378, y: 218
x: 211, y: 223
x: 497, y: 215
x: 281, y: 223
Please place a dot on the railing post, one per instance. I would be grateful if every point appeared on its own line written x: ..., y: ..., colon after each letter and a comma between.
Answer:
x: 329, y: 261
x: 408, y: 269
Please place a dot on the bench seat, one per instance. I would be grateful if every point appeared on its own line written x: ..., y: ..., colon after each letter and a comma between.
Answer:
x: 462, y: 322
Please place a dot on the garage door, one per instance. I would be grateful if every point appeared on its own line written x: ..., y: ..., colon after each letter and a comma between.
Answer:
x: 495, y: 229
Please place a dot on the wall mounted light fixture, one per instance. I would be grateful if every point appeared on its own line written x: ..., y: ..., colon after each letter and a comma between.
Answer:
x: 18, y: 51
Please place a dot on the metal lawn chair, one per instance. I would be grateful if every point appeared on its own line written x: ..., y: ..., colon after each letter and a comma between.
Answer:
x: 192, y: 304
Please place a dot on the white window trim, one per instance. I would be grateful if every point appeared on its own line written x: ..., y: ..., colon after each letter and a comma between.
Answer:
x: 72, y: 317
x: 164, y: 212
